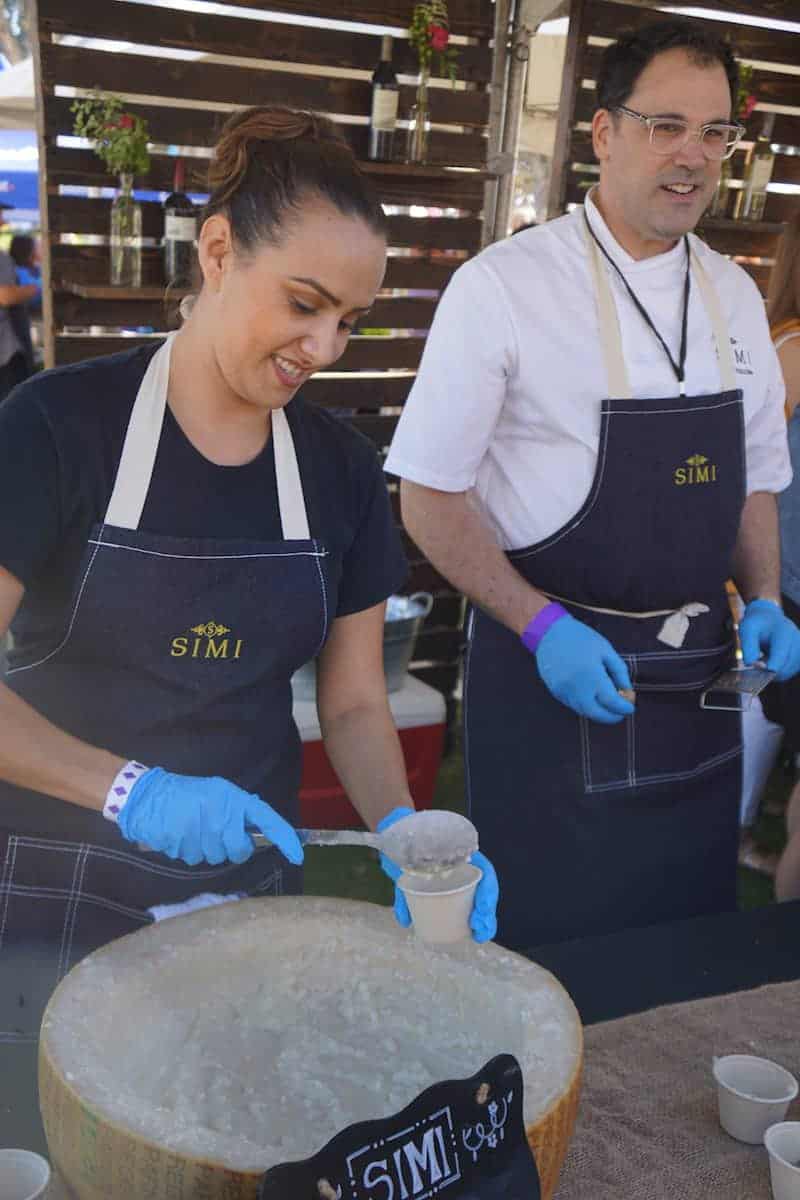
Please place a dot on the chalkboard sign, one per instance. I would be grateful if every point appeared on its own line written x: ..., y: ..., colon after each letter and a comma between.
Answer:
x: 463, y: 1139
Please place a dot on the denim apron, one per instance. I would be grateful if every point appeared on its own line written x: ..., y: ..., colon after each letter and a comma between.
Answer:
x: 592, y: 827
x: 177, y: 652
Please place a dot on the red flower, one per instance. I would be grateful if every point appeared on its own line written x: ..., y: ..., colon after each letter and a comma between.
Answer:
x: 748, y: 106
x: 439, y: 37
x: 126, y: 121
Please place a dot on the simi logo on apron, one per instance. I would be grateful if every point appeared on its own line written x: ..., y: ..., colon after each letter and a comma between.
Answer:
x: 208, y: 641
x: 697, y: 470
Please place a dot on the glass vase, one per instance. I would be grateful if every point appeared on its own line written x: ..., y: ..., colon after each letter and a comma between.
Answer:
x: 719, y: 201
x: 419, y: 124
x: 126, y: 236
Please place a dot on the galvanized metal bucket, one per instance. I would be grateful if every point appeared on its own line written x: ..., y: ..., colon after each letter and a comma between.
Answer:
x: 404, y: 616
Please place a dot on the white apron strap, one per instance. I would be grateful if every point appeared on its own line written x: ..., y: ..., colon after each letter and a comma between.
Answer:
x: 727, y: 366
x: 291, y: 501
x: 619, y: 387
x: 789, y: 336
x: 139, y: 451
x: 611, y: 338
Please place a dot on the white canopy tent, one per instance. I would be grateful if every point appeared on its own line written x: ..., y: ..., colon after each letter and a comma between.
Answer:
x: 17, y: 104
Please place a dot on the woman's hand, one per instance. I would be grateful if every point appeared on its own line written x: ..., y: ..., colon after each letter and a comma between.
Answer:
x: 483, y: 918
x: 201, y: 820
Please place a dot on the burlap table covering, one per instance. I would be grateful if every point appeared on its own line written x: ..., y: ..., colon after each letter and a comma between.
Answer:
x: 648, y: 1125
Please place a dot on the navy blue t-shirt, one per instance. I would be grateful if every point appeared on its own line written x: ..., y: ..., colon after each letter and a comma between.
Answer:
x: 61, y: 437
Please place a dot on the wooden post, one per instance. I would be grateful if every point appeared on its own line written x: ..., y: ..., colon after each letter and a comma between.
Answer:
x: 570, y: 82
x: 44, y: 208
x: 497, y: 93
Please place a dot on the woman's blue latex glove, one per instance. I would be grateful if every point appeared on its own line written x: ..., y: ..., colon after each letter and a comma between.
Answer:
x: 766, y: 632
x: 583, y: 670
x: 201, y: 820
x: 483, y: 918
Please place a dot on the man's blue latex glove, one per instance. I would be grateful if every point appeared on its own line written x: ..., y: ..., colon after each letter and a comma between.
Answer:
x: 766, y: 632
x: 483, y: 918
x: 201, y: 820
x: 583, y: 670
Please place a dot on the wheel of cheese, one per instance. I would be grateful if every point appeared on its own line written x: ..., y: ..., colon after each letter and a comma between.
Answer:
x: 184, y: 1060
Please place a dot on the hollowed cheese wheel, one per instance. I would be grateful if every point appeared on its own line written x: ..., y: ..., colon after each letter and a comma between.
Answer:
x: 184, y: 1060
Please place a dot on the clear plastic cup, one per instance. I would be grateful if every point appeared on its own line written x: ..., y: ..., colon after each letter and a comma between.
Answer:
x: 23, y: 1175
x: 753, y: 1093
x: 783, y: 1146
x: 440, y: 905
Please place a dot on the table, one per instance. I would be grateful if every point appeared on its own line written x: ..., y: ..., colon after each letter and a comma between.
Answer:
x: 608, y: 977
x: 628, y: 972
x: 648, y: 1125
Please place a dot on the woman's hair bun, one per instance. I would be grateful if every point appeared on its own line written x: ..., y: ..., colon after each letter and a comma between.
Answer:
x: 244, y: 135
x: 270, y: 159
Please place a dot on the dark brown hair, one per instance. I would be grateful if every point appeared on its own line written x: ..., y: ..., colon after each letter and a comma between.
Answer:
x: 623, y: 61
x: 783, y: 300
x: 270, y: 159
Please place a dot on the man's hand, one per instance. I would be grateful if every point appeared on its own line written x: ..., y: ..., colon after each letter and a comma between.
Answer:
x: 766, y: 632
x: 583, y: 670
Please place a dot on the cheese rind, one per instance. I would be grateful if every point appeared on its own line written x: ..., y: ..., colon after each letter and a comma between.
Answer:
x: 252, y: 1033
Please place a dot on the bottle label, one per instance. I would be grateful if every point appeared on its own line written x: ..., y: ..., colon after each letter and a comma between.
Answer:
x: 384, y: 108
x: 760, y: 174
x: 180, y: 229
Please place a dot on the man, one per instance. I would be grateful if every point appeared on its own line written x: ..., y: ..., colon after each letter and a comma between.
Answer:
x: 16, y: 355
x: 593, y: 535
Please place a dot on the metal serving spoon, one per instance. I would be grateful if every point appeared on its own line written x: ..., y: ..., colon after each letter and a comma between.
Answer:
x: 428, y: 841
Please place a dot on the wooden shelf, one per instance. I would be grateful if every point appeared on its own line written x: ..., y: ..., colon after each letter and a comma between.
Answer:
x: 106, y: 291
x: 728, y: 225
x: 424, y: 171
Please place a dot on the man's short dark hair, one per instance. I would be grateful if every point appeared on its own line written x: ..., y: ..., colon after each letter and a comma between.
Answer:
x: 624, y: 60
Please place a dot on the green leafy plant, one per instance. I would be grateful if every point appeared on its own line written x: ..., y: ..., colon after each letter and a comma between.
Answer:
x: 429, y: 34
x: 745, y: 99
x: 120, y: 138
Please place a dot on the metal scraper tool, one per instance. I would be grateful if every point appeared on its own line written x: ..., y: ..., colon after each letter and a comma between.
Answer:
x: 740, y: 683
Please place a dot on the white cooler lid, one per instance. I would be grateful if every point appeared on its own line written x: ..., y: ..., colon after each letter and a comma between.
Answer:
x: 413, y: 705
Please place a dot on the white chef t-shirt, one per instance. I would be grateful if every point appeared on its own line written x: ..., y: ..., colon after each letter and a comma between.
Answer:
x: 507, y: 399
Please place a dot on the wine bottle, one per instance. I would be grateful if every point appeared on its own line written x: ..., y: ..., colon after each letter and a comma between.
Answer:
x: 385, y: 94
x: 180, y: 231
x: 752, y: 198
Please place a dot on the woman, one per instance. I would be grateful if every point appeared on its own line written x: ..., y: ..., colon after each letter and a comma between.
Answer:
x: 185, y: 534
x: 782, y: 701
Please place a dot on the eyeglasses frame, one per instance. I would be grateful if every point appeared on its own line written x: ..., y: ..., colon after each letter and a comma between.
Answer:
x: 698, y: 133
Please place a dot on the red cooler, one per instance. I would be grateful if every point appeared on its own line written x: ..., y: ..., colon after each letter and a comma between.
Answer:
x: 419, y: 713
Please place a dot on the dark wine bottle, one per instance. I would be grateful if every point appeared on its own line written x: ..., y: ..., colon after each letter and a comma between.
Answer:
x: 180, y: 232
x: 385, y: 94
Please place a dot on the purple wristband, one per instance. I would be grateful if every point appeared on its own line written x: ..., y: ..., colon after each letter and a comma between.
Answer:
x: 535, y: 630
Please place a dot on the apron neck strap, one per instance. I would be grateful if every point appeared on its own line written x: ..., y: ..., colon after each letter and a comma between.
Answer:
x: 727, y: 366
x: 139, y: 451
x: 611, y: 337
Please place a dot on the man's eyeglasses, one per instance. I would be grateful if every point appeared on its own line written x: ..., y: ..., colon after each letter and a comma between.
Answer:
x: 669, y: 135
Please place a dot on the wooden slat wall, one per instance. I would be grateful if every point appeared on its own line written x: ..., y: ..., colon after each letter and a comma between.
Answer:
x: 574, y: 163
x: 185, y: 103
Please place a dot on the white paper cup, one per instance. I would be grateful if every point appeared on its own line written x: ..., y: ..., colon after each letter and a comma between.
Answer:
x: 23, y: 1175
x: 440, y: 905
x: 783, y: 1146
x: 754, y: 1093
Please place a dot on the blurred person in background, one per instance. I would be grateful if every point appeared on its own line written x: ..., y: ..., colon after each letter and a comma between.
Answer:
x: 24, y: 250
x: 781, y: 701
x: 16, y: 355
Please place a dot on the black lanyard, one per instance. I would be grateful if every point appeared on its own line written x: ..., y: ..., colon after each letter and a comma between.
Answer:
x: 678, y: 367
